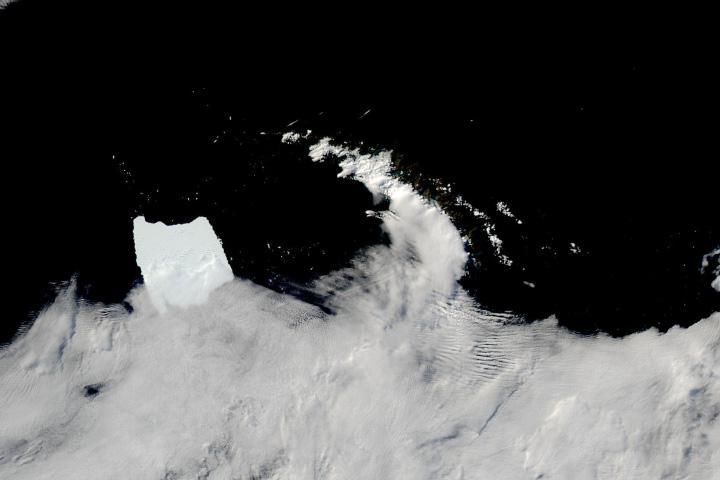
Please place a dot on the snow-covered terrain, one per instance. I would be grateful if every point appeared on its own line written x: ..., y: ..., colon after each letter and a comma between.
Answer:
x: 209, y: 376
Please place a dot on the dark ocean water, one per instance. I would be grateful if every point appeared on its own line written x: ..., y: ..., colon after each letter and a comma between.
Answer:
x: 109, y: 113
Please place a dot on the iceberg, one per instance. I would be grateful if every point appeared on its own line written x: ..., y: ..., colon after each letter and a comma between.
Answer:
x: 180, y: 264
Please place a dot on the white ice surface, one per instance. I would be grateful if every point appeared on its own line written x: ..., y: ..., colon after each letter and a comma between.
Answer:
x: 180, y: 264
x: 425, y: 231
x: 409, y: 380
x: 290, y: 137
x: 715, y: 284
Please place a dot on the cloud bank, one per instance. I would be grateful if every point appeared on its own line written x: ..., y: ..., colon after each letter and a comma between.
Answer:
x: 409, y: 379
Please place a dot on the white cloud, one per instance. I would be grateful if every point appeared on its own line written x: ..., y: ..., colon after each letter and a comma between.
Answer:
x: 410, y: 379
